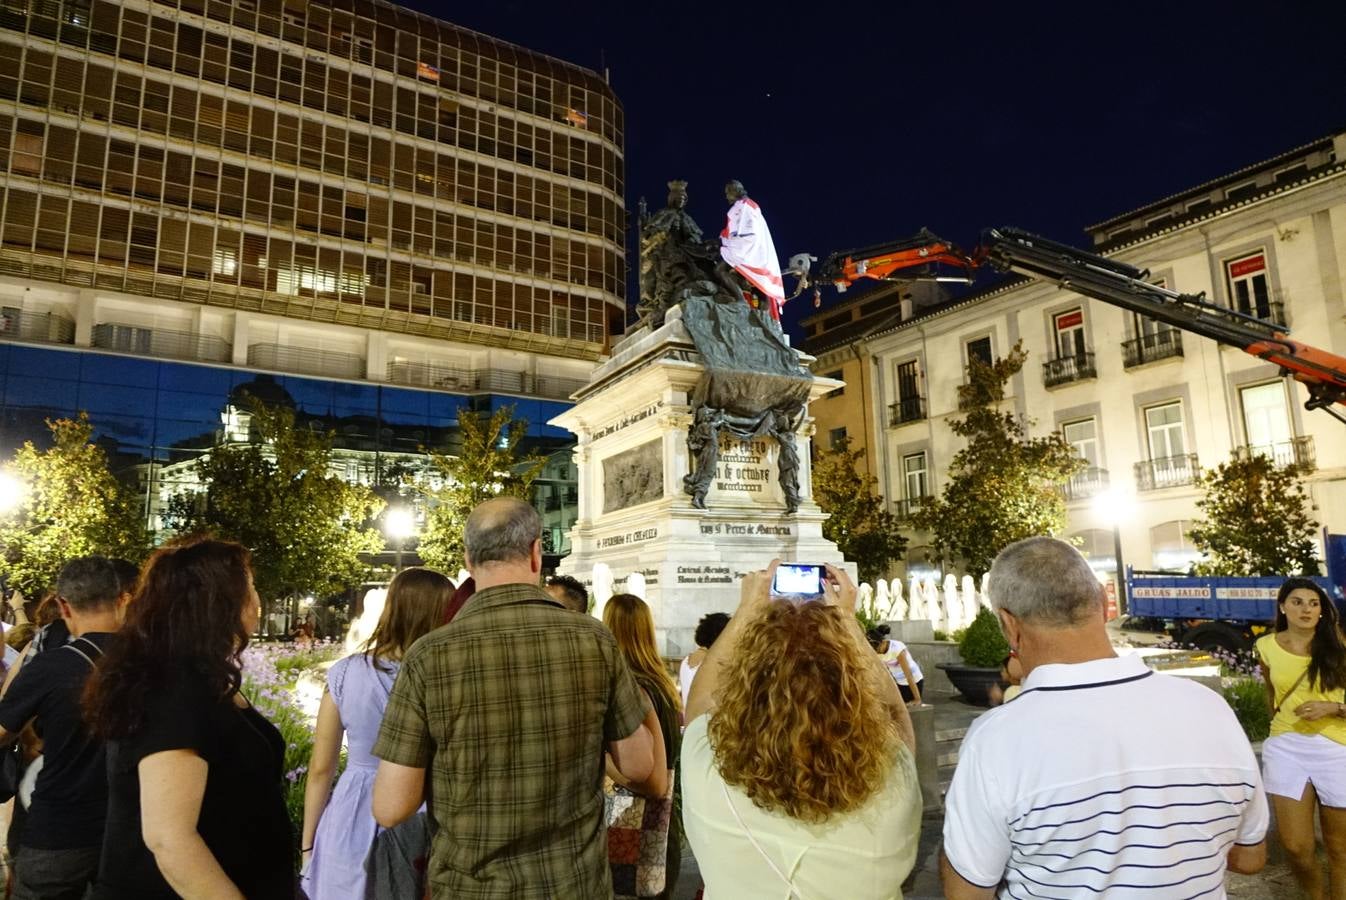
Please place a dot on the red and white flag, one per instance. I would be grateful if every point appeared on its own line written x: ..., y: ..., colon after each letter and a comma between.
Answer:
x: 745, y: 243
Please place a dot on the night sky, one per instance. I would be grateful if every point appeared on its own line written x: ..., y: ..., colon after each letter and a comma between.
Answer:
x: 855, y: 123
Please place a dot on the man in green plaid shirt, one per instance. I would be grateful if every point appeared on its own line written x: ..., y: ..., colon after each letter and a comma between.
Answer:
x: 510, y: 707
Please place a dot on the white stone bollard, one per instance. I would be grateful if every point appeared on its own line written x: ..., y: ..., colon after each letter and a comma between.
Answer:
x: 953, y: 607
x: 971, y: 603
x: 933, y: 608
x: 917, y: 609
x: 602, y: 588
x: 900, y: 605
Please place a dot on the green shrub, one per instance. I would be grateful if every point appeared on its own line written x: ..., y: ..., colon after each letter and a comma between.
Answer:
x: 983, y: 643
x: 1247, y: 697
x: 941, y: 635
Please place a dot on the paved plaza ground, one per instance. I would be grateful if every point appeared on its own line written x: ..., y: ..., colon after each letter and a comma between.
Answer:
x: 952, y: 716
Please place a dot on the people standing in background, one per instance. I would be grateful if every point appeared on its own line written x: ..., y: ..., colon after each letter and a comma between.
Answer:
x: 628, y: 618
x: 338, y: 832
x: 568, y: 591
x: 508, y: 710
x: 901, y: 664
x: 707, y: 630
x: 1304, y: 760
x: 62, y: 833
x: 1078, y: 788
x: 194, y: 772
x: 798, y: 765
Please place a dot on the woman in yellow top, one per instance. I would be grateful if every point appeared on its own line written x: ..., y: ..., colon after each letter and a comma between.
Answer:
x: 1304, y: 759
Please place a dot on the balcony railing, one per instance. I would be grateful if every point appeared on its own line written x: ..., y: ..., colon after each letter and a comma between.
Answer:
x: 906, y: 507
x: 1068, y: 368
x: 1086, y: 483
x: 472, y: 381
x: 1149, y: 347
x: 17, y: 325
x: 1272, y: 311
x: 306, y: 361
x: 1171, y: 471
x: 1297, y: 452
x: 908, y: 409
x: 162, y: 343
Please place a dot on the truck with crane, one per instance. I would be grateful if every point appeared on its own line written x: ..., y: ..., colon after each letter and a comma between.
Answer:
x: 1204, y: 612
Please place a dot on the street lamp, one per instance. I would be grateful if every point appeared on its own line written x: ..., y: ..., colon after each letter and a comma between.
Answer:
x: 399, y: 524
x: 12, y: 492
x: 1113, y: 506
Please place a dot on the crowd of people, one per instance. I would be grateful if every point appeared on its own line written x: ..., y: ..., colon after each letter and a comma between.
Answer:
x: 488, y: 728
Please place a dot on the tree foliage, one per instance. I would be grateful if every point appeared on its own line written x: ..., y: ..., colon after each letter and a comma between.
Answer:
x: 1254, y: 520
x: 70, y: 505
x: 1003, y: 485
x: 276, y: 495
x: 490, y: 463
x: 856, y: 519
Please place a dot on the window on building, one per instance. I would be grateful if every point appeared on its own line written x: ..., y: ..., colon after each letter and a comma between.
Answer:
x: 980, y: 348
x: 838, y: 391
x: 1083, y: 436
x: 1069, y: 327
x: 1249, y: 291
x: 1266, y: 418
x: 915, y: 475
x: 225, y: 261
x: 1172, y: 547
x: 27, y: 150
x: 1164, y: 427
x: 1097, y: 546
x: 836, y: 437
x: 908, y: 386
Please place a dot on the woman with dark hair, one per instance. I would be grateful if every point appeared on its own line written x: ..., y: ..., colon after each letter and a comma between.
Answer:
x: 798, y: 765
x: 339, y: 832
x: 707, y: 630
x: 1304, y: 759
x: 628, y: 618
x: 195, y: 807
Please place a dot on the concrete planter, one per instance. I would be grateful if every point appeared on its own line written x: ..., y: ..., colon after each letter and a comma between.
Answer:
x: 973, y: 682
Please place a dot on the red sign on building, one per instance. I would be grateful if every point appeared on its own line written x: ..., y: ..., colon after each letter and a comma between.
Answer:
x: 1247, y: 266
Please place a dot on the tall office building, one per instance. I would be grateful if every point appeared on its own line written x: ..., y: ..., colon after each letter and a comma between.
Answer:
x: 342, y: 190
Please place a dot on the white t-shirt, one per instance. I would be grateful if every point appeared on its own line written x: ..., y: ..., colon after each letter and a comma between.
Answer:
x: 890, y: 659
x: 1104, y: 779
x: 686, y: 673
x: 863, y: 855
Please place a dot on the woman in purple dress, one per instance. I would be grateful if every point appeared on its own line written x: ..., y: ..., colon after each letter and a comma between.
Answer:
x: 339, y: 832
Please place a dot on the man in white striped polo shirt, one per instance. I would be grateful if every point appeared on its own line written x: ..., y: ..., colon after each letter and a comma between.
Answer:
x: 1102, y: 778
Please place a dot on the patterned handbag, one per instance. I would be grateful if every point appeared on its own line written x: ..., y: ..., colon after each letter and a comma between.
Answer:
x: 638, y: 841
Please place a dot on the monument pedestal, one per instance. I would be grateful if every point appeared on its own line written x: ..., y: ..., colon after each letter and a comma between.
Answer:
x: 631, y: 422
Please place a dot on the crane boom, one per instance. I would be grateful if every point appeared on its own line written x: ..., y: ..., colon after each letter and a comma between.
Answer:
x: 1107, y: 280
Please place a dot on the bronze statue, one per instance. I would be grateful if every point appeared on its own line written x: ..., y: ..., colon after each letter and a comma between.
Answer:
x: 673, y: 255
x: 752, y: 385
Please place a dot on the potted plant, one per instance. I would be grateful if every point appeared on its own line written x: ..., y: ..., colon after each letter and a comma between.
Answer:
x: 983, y: 648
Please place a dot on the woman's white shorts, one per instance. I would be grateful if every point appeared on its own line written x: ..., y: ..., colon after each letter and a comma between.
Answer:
x: 1289, y: 761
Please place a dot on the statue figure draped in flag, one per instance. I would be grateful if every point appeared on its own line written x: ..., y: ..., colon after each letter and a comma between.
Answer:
x: 746, y: 248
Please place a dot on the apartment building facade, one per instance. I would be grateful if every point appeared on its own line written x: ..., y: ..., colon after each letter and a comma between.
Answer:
x: 395, y: 216
x: 1147, y: 407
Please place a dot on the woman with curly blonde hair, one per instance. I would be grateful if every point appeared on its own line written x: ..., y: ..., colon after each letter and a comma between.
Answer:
x: 798, y: 761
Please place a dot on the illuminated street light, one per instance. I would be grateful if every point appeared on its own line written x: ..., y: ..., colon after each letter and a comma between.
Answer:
x: 400, y: 526
x: 12, y: 493
x: 1113, y: 507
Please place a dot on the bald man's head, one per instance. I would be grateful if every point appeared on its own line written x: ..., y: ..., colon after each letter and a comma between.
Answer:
x: 501, y: 530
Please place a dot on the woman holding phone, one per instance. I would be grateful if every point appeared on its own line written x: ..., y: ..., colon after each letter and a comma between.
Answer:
x: 798, y: 760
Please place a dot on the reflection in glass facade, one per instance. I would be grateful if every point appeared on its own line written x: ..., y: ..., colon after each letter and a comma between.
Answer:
x: 154, y: 418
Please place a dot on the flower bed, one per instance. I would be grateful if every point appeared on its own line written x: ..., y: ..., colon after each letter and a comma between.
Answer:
x: 285, y: 683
